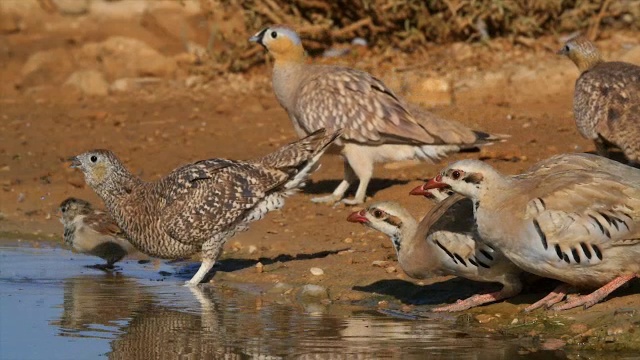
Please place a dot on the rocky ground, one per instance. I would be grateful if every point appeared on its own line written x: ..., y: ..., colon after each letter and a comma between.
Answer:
x: 138, y: 81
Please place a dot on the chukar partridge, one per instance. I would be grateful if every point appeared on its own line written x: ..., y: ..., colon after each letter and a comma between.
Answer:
x: 198, y: 206
x: 579, y: 225
x: 606, y: 102
x: 378, y: 125
x: 443, y: 243
x: 94, y: 232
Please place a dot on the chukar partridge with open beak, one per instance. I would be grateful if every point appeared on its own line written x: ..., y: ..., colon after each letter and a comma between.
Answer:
x: 443, y: 243
x: 579, y: 225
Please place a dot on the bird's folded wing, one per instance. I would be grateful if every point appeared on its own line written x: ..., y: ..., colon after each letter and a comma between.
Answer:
x: 102, y: 223
x: 362, y: 105
x: 580, y: 213
x: 208, y: 197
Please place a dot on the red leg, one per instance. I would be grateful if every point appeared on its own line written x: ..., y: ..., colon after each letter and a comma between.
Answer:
x: 596, y: 296
x: 473, y: 301
x: 554, y: 297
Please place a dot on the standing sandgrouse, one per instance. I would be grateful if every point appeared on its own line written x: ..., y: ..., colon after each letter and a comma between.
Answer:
x: 94, y: 232
x: 197, y: 207
x: 579, y: 225
x: 378, y: 126
x: 606, y: 102
x: 443, y: 243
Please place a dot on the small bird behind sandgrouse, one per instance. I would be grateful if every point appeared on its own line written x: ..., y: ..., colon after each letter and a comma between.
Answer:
x: 606, y: 101
x: 93, y: 232
x: 199, y: 206
x: 378, y: 125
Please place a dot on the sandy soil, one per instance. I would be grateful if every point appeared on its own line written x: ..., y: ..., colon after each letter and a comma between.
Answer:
x: 157, y: 128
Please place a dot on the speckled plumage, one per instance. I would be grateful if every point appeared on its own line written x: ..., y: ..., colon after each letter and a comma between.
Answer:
x: 606, y: 101
x: 443, y: 243
x: 94, y: 232
x: 197, y: 207
x: 378, y: 125
x: 579, y: 224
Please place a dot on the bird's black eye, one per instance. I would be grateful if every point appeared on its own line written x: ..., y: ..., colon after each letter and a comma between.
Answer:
x: 94, y: 158
x: 274, y: 34
x: 566, y: 48
x: 63, y: 209
x: 378, y: 213
x: 455, y: 174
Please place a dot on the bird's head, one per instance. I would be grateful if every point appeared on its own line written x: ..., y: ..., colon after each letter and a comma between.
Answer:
x: 387, y: 217
x: 466, y: 177
x: 101, y: 169
x: 72, y: 207
x: 436, y: 195
x: 281, y: 41
x: 582, y: 52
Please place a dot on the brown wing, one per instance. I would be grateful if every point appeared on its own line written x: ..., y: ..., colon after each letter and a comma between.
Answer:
x: 359, y: 103
x: 102, y: 223
x: 210, y: 196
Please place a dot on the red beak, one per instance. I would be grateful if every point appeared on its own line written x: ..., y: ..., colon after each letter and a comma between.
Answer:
x: 358, y: 217
x: 420, y: 190
x: 434, y: 183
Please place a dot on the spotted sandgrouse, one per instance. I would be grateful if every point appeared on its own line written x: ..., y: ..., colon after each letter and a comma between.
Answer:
x: 378, y: 125
x: 197, y: 207
x: 606, y: 101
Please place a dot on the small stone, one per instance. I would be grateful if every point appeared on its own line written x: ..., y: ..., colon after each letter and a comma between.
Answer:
x: 383, y: 304
x: 609, y: 339
x: 390, y: 269
x: 316, y: 271
x: 484, y: 318
x: 252, y: 249
x: 21, y: 197
x: 259, y: 268
x: 348, y: 240
x: 514, y: 321
x: 280, y: 288
x: 380, y: 263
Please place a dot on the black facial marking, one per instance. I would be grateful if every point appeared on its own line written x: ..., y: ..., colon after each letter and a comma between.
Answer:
x: 566, y: 259
x: 544, y: 206
x: 482, y: 264
x: 473, y: 262
x: 473, y: 178
x: 541, y: 234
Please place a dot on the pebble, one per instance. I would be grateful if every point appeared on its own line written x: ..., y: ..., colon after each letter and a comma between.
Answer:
x: 380, y: 263
x: 483, y: 318
x: 391, y: 269
x: 348, y: 240
x: 259, y: 268
x: 316, y: 271
x: 252, y: 249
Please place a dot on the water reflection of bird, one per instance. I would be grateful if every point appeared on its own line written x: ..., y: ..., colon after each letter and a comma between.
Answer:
x: 89, y: 301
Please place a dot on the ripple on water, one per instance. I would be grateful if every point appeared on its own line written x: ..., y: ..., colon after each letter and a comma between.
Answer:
x: 52, y: 307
